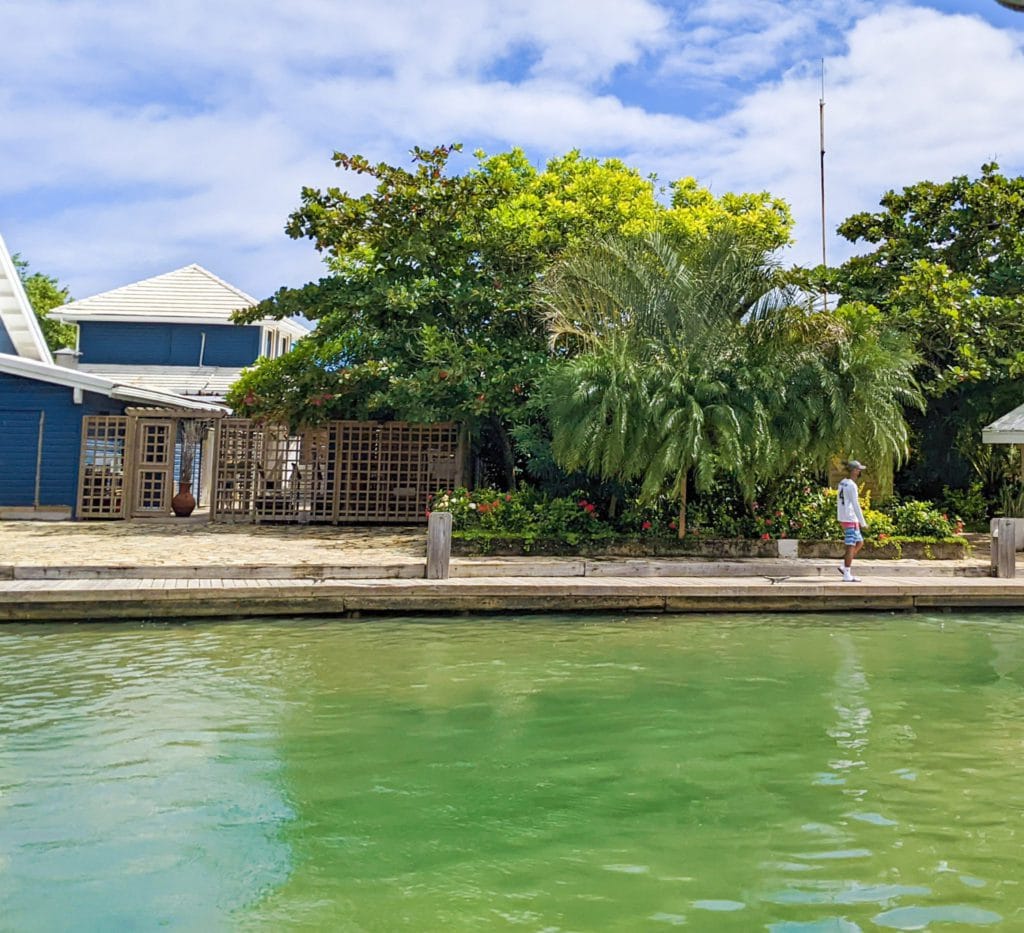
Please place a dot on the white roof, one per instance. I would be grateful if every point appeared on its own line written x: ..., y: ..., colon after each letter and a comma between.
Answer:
x: 210, y: 382
x: 1006, y: 430
x: 16, y: 314
x: 89, y: 382
x: 191, y: 295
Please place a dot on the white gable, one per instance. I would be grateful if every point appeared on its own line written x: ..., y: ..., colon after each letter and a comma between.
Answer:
x: 188, y: 294
x: 16, y: 314
x: 191, y: 295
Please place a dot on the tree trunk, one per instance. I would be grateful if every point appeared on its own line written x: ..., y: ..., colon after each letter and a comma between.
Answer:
x: 682, y: 506
x: 507, y: 455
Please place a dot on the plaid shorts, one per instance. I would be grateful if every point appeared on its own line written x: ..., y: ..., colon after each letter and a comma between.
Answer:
x: 852, y: 536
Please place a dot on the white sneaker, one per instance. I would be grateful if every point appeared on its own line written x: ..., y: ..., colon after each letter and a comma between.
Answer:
x: 850, y: 578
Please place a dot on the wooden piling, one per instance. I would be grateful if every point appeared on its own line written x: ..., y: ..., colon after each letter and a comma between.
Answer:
x: 1004, y: 557
x: 439, y: 545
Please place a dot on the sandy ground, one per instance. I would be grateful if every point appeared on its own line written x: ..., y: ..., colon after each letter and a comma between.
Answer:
x: 170, y: 542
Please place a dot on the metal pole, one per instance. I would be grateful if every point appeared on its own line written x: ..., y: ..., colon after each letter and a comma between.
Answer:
x: 821, y: 137
x: 39, y: 456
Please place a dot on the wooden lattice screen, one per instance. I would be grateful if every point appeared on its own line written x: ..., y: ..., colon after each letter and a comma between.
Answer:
x: 101, y: 475
x: 346, y: 471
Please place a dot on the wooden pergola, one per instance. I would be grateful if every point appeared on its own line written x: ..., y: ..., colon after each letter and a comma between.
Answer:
x: 1007, y: 430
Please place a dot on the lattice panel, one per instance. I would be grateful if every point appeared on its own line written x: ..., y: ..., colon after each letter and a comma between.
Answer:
x: 358, y: 456
x: 151, y: 490
x: 154, y: 443
x: 235, y: 470
x: 415, y: 460
x: 154, y: 463
x: 101, y: 466
x: 276, y: 494
x: 318, y: 473
x: 347, y: 471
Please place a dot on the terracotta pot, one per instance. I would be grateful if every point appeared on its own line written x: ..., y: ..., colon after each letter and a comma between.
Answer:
x: 184, y: 503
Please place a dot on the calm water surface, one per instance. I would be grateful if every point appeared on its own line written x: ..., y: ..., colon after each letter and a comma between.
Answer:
x: 819, y: 774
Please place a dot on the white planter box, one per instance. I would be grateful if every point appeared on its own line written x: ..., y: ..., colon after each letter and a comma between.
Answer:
x: 788, y: 547
x: 1018, y: 530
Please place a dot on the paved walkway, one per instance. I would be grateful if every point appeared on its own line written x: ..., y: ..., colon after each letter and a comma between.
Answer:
x: 178, y: 542
x: 181, y: 569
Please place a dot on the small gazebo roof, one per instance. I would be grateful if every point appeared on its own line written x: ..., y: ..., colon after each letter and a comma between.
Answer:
x: 1006, y: 430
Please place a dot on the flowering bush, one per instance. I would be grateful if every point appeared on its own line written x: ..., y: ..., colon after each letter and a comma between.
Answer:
x: 794, y: 508
x: 525, y: 513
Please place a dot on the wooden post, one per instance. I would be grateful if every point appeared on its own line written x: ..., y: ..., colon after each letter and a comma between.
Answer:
x: 1004, y: 556
x: 439, y: 545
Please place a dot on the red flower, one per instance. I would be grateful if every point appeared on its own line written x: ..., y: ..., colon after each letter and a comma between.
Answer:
x: 428, y: 513
x: 508, y: 497
x: 646, y: 526
x: 673, y: 525
x: 778, y: 512
x: 443, y: 374
x: 582, y: 503
x: 590, y: 507
x: 766, y: 537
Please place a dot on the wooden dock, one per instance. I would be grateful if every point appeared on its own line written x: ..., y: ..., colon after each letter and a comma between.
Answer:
x: 120, y: 597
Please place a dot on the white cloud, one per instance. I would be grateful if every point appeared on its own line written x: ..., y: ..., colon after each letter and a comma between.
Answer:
x: 138, y: 137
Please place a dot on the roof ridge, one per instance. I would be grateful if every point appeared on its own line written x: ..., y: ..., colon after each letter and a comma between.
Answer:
x: 220, y: 281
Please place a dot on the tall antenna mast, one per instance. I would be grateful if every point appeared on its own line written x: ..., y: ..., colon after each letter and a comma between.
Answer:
x: 821, y: 134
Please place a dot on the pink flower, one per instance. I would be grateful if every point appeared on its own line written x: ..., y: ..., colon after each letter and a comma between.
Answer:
x: 646, y: 526
x: 428, y: 513
x: 673, y: 525
x: 589, y: 507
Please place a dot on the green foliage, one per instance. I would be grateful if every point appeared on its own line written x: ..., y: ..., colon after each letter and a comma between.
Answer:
x: 947, y: 269
x: 687, y: 358
x: 429, y: 310
x: 1010, y: 502
x: 44, y: 294
x: 968, y: 505
x: 527, y: 515
x: 914, y: 518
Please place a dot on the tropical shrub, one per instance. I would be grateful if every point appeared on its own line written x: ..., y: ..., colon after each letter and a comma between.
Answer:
x: 916, y: 519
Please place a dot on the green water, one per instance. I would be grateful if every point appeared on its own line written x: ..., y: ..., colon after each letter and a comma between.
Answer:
x: 825, y: 773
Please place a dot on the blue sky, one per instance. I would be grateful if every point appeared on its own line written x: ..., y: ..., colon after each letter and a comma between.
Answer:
x: 139, y: 137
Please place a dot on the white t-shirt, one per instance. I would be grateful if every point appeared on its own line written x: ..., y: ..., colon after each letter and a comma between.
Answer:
x: 848, y: 503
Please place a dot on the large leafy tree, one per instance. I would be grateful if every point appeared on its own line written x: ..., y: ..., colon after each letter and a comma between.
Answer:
x: 428, y: 311
x: 44, y: 294
x: 690, y: 361
x: 947, y: 268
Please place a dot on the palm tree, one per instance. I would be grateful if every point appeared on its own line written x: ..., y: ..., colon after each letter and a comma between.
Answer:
x: 687, y: 359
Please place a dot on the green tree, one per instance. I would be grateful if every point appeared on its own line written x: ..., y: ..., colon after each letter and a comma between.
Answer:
x: 690, y: 361
x: 44, y: 294
x: 947, y: 269
x: 429, y: 311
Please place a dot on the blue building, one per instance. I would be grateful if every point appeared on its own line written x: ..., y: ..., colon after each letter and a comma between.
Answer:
x: 174, y: 333
x: 80, y: 443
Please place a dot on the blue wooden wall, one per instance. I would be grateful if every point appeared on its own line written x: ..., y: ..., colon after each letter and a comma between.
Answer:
x: 168, y: 344
x: 21, y: 401
x: 6, y: 346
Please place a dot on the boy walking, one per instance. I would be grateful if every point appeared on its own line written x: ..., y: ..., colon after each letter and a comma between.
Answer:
x: 851, y: 518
